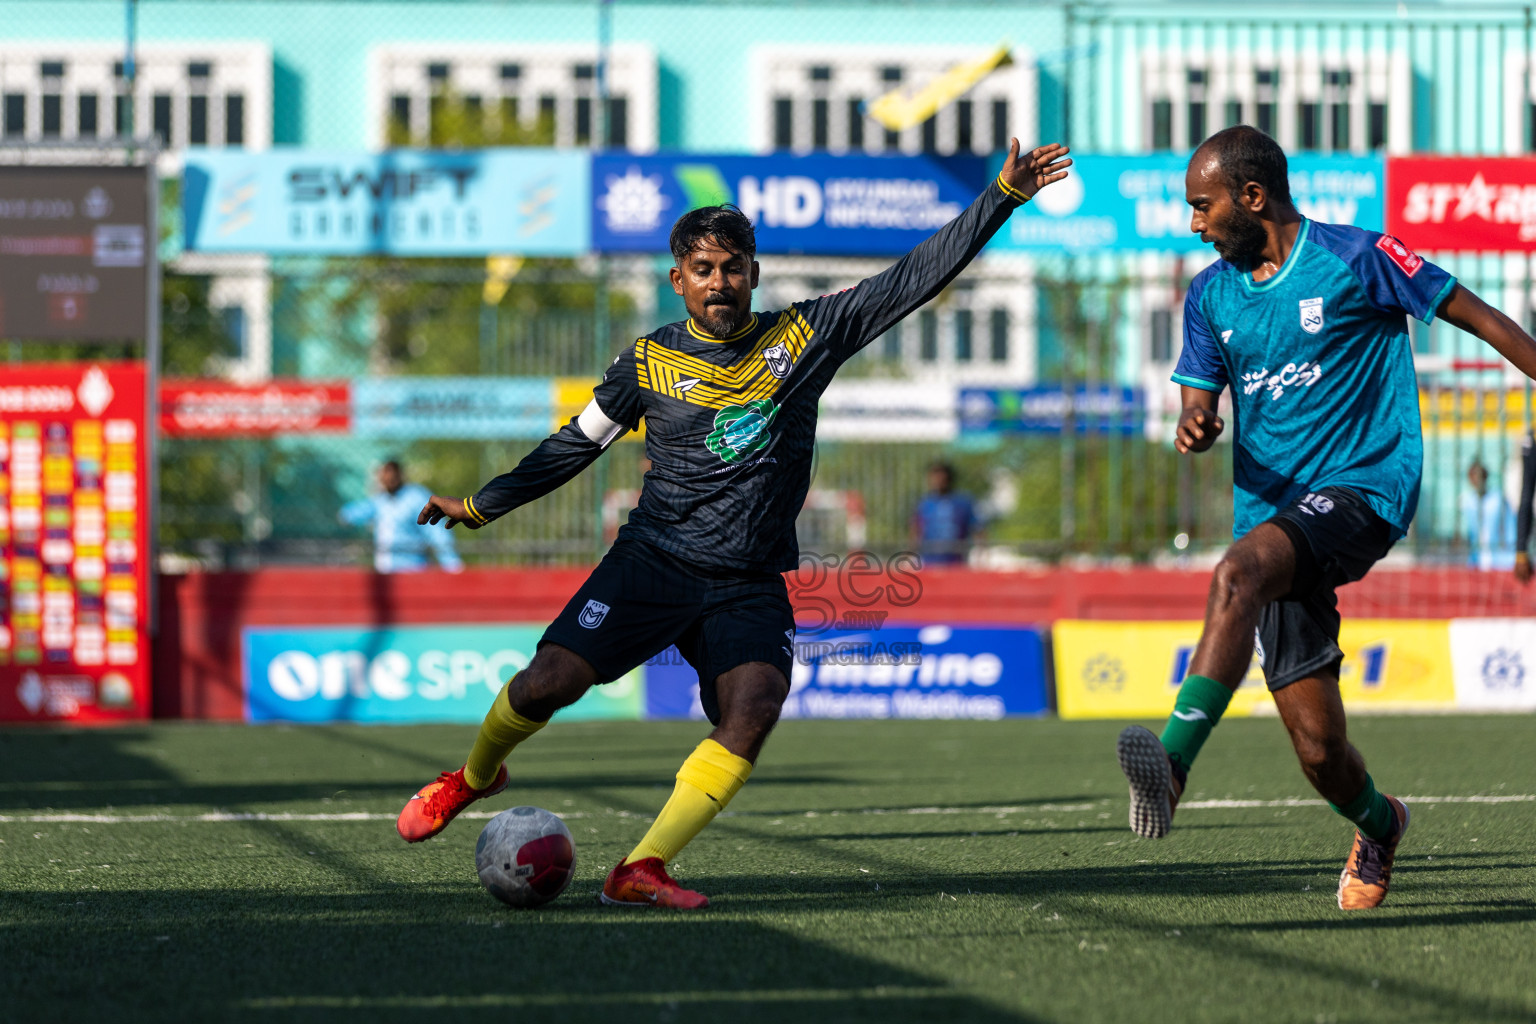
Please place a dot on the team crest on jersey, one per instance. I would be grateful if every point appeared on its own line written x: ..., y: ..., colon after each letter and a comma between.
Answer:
x: 1312, y: 315
x: 1408, y: 261
x: 593, y: 614
x: 779, y: 361
x: 741, y: 430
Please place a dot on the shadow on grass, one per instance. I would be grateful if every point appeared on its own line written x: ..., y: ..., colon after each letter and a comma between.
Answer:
x: 394, y: 952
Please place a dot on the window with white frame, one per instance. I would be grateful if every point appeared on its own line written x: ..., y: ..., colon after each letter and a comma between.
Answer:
x: 544, y: 88
x: 186, y: 94
x: 813, y: 99
x: 1333, y: 102
x: 981, y: 330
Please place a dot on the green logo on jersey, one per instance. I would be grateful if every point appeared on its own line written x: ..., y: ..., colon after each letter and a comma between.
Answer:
x: 741, y: 430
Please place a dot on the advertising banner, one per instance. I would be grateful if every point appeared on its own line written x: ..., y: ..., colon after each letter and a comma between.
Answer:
x: 214, y: 408
x: 471, y: 408
x: 74, y: 543
x: 436, y: 673
x: 1134, y: 669
x: 73, y: 244
x: 891, y: 671
x: 530, y: 202
x: 819, y: 204
x: 1098, y: 409
x: 1137, y: 202
x: 1495, y: 664
x: 1463, y: 204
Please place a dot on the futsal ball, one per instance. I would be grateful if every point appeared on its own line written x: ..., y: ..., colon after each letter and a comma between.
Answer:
x: 525, y: 856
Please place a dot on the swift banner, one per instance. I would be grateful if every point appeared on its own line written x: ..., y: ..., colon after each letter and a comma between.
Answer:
x: 1134, y: 669
x: 822, y: 204
x: 932, y: 671
x: 74, y: 543
x: 1137, y: 202
x: 1463, y: 204
x: 436, y: 673
x: 531, y: 202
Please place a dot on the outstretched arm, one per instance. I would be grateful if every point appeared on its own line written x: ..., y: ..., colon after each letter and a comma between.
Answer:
x: 557, y: 459
x: 870, y: 308
x: 614, y: 409
x: 1464, y: 309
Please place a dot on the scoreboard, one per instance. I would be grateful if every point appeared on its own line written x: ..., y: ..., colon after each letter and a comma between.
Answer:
x: 74, y: 532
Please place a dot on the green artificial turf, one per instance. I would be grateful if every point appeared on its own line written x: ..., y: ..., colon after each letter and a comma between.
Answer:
x: 886, y: 871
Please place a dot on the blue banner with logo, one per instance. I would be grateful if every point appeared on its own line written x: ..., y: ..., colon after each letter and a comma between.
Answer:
x: 401, y: 674
x: 1099, y: 409
x: 820, y: 204
x: 533, y: 202
x: 473, y: 408
x: 888, y: 671
x: 1137, y: 202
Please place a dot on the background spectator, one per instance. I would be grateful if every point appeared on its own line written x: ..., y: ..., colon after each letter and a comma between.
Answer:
x: 399, y: 544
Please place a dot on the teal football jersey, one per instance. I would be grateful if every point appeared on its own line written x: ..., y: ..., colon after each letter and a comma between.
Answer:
x: 1321, y: 372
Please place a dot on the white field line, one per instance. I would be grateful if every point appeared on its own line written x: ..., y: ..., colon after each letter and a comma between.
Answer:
x: 216, y: 817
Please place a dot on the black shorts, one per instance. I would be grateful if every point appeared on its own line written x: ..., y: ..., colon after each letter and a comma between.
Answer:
x: 640, y: 600
x: 1337, y: 537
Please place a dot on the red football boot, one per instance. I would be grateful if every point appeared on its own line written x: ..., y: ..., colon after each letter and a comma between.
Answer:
x: 435, y: 804
x: 645, y: 883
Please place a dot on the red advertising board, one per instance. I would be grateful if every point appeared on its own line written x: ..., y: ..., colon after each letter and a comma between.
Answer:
x: 1462, y: 204
x: 74, y: 553
x: 206, y: 408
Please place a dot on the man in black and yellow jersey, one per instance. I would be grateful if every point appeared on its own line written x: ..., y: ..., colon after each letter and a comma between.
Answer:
x: 729, y: 398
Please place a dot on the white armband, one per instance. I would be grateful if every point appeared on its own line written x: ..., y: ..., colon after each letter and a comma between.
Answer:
x: 595, y: 423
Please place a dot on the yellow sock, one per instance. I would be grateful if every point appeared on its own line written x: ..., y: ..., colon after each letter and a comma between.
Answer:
x: 705, y: 784
x: 502, y: 730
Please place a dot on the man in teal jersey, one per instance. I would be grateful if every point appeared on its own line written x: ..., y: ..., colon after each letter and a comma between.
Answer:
x: 1306, y: 323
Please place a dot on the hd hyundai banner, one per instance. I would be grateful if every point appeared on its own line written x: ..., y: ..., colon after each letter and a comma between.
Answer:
x: 820, y: 204
x: 532, y: 202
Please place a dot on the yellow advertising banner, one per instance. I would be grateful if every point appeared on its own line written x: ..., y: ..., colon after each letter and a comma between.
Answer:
x: 1133, y: 669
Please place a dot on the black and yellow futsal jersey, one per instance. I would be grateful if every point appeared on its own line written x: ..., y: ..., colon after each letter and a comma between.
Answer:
x: 731, y: 422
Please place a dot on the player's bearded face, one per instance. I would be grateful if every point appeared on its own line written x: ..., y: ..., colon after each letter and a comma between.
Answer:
x: 1238, y: 235
x: 722, y: 313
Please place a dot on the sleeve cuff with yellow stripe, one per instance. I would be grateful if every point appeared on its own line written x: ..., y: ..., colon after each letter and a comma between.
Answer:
x: 1011, y: 192
x: 469, y: 506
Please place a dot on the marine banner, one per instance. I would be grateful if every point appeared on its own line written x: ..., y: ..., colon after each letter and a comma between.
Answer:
x: 887, y: 671
x: 417, y: 673
x: 1134, y: 669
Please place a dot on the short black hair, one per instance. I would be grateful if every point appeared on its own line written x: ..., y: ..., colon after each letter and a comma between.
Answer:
x: 726, y: 224
x: 945, y: 468
x: 1244, y: 154
x: 391, y: 464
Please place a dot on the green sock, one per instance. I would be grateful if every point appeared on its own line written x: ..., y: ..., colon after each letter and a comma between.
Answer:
x: 1370, y: 812
x: 1196, y: 711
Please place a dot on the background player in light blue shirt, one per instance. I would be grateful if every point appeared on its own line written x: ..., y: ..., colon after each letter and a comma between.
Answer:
x: 1306, y: 325
x: 399, y: 543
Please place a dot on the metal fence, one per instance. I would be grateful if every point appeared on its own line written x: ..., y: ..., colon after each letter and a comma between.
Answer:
x: 1107, y: 78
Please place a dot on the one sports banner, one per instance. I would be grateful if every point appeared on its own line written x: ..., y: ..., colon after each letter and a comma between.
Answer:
x: 1134, y: 669
x: 74, y: 543
x: 1463, y: 204
x: 532, y: 202
x: 888, y: 671
x: 818, y: 204
x: 1137, y: 202
x: 416, y: 673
